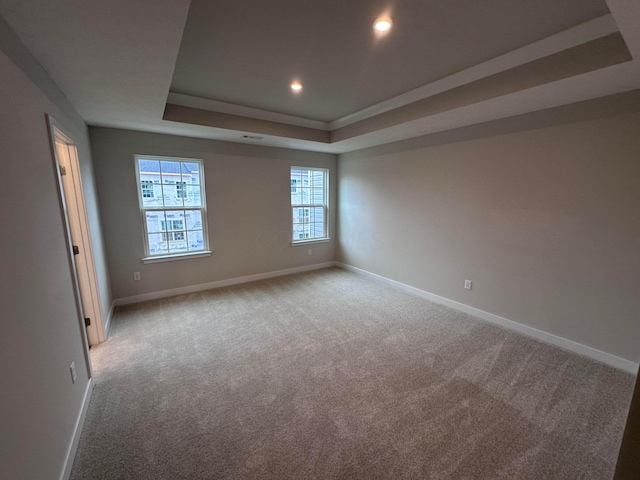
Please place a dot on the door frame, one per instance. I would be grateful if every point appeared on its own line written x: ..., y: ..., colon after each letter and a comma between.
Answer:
x: 76, y: 224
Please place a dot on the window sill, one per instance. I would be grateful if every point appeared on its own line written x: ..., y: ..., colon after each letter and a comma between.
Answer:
x: 307, y: 242
x: 181, y: 256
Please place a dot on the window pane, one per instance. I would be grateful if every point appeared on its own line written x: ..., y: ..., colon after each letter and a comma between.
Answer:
x: 175, y: 219
x: 178, y: 246
x: 150, y: 182
x: 157, y: 246
x: 196, y: 240
x: 170, y: 172
x: 191, y: 173
x: 148, y: 167
x: 147, y: 188
x: 317, y: 215
x: 174, y: 231
x: 317, y: 194
x: 296, y: 183
x: 193, y: 198
x: 154, y: 220
x: 304, y: 196
x: 300, y: 215
x: 153, y: 195
x: 298, y: 228
x: 317, y: 230
x: 171, y: 198
x: 181, y: 190
x: 174, y: 226
x: 194, y: 219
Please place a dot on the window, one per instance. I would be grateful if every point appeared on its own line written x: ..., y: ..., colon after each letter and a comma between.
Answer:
x: 172, y: 204
x: 172, y: 224
x: 168, y: 228
x: 181, y: 191
x: 147, y: 188
x: 309, y: 194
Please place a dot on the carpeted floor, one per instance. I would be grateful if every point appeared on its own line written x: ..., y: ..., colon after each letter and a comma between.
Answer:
x: 329, y: 375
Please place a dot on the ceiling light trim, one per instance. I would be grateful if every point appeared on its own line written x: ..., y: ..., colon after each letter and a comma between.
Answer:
x: 383, y: 25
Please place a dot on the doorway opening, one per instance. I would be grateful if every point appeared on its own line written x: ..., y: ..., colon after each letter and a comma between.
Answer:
x: 65, y: 154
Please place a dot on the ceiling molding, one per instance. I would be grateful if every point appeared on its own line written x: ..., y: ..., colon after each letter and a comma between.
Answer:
x: 243, y: 125
x: 454, y: 107
x: 562, y: 41
x: 602, y: 107
x: 242, y: 111
x: 586, y: 57
x: 619, y: 78
x: 583, y: 33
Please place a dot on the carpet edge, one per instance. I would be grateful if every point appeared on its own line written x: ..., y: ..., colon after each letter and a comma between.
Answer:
x: 546, y: 337
x: 219, y: 283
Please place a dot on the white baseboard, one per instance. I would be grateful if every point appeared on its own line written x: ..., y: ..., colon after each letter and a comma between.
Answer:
x: 75, y: 439
x: 221, y: 283
x: 590, y: 352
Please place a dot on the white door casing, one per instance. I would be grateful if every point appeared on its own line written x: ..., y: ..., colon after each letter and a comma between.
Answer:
x: 66, y: 158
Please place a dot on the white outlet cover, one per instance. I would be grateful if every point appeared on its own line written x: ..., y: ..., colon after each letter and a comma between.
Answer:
x: 467, y: 284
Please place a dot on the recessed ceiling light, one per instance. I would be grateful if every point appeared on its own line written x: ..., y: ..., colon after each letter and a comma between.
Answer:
x: 382, y: 24
x: 296, y: 86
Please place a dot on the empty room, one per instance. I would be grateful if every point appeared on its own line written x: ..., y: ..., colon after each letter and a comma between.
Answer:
x: 356, y: 239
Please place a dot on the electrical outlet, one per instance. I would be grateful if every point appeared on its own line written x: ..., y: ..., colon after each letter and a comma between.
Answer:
x: 72, y: 368
x: 310, y: 252
x: 136, y: 276
x: 467, y: 284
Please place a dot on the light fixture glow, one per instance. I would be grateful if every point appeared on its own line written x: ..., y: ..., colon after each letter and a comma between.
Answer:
x: 296, y: 86
x: 382, y: 24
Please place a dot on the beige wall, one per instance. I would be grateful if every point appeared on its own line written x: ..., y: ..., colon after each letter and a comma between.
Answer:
x: 546, y: 224
x: 248, y: 201
x: 40, y: 330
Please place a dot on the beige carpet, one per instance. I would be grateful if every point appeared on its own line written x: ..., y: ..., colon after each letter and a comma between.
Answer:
x: 328, y: 375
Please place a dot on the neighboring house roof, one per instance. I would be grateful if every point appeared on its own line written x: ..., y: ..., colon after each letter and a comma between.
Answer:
x: 153, y: 166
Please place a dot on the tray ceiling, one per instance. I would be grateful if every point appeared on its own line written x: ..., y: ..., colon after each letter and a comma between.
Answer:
x: 221, y: 69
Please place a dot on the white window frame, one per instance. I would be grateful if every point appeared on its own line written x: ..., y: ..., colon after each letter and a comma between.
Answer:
x: 324, y: 206
x: 153, y: 258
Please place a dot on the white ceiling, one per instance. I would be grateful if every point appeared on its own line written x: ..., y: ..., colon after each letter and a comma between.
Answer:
x: 119, y: 62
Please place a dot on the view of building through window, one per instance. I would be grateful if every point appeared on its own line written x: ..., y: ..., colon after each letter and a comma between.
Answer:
x: 171, y: 193
x: 309, y: 187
